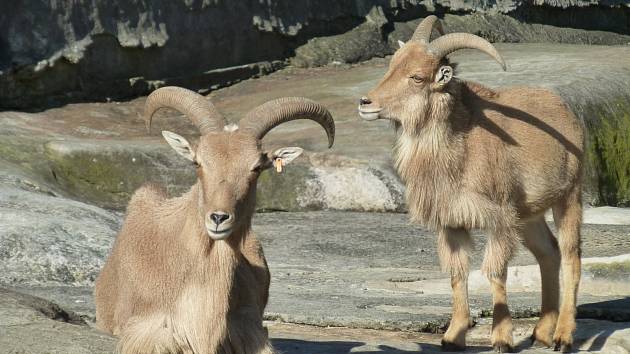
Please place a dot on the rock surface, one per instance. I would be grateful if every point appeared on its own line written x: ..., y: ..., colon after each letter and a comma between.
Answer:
x: 590, y: 337
x: 378, y: 36
x: 379, y: 271
x: 374, y: 269
x: 99, y: 49
x: 359, y: 271
x: 46, y: 239
x: 30, y: 325
x: 100, y: 152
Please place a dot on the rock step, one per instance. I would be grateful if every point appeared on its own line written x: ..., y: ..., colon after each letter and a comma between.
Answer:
x: 100, y: 153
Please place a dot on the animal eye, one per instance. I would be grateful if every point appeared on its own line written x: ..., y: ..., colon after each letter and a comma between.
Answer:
x: 417, y: 79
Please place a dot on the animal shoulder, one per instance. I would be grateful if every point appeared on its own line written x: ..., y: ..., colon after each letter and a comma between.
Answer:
x: 147, y: 195
x: 481, y: 90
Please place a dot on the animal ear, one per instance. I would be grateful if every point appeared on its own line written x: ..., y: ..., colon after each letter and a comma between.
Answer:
x: 444, y: 75
x: 400, y: 43
x: 179, y: 144
x: 284, y: 156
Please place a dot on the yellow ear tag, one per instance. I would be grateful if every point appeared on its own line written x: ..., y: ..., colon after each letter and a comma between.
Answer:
x: 278, y: 163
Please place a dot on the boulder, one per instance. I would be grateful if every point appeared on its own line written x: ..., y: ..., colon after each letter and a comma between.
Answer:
x: 107, y: 173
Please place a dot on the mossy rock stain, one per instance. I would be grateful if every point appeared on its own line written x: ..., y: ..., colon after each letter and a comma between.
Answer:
x: 608, y: 154
x: 109, y: 175
x: 614, y: 270
x: 280, y: 191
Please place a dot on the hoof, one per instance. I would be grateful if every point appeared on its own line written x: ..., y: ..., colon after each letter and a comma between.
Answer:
x: 563, y: 339
x: 452, y: 347
x: 503, y: 348
x: 562, y: 346
x: 537, y: 339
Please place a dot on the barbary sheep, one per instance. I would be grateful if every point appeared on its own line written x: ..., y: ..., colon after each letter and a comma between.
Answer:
x: 187, y: 274
x: 476, y: 158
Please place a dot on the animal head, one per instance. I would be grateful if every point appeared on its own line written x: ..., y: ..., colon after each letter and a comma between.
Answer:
x: 229, y: 158
x: 419, y: 75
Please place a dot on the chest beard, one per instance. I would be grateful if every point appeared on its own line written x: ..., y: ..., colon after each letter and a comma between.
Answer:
x: 201, y: 315
x: 430, y: 163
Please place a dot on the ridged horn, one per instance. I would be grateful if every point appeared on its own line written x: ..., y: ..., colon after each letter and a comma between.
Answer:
x: 425, y: 29
x: 260, y: 120
x: 451, y: 42
x: 200, y: 111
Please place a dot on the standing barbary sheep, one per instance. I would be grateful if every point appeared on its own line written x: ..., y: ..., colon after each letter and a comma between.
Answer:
x: 187, y: 275
x: 473, y: 158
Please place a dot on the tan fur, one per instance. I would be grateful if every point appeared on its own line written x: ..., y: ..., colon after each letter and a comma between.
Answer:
x: 167, y: 287
x: 475, y: 158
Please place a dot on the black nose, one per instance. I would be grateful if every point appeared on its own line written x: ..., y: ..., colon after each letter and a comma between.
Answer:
x: 364, y: 100
x: 218, y: 218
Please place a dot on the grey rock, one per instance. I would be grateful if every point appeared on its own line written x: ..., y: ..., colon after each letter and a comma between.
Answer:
x: 374, y: 269
x: 99, y: 50
x: 380, y: 272
x: 359, y: 44
x: 12, y: 175
x: 88, y: 150
x: 502, y: 28
x: 590, y: 336
x: 46, y: 239
x: 380, y: 38
x: 107, y: 173
x: 30, y: 325
x: 33, y: 325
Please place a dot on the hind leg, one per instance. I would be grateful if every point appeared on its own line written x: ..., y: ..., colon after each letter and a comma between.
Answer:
x: 453, y: 247
x: 540, y: 241
x: 498, y: 252
x: 567, y: 215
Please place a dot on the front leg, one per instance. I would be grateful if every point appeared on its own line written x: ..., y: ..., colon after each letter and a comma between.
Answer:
x: 253, y: 252
x: 247, y: 334
x: 453, y: 247
x: 498, y: 252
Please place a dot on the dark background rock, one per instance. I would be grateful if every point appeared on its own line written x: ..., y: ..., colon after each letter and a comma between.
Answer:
x: 52, y: 52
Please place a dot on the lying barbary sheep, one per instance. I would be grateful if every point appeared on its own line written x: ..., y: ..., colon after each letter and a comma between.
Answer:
x: 475, y: 158
x: 187, y: 274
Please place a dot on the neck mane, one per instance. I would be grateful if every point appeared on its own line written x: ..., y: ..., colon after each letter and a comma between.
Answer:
x: 206, y: 291
x: 430, y: 158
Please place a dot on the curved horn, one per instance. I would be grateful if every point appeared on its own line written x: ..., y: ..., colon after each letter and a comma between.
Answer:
x: 454, y: 41
x: 260, y: 120
x: 425, y: 29
x: 200, y: 111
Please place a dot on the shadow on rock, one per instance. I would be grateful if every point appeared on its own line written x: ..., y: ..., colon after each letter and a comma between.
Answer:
x: 617, y: 310
x: 598, y: 327
x: 295, y: 346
